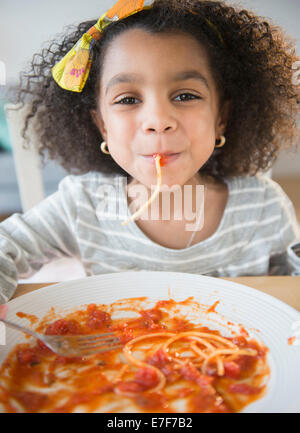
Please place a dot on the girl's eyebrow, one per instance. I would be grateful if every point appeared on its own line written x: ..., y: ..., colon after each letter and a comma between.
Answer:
x: 136, y: 78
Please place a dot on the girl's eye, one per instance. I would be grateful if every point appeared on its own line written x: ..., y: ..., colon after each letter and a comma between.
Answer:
x: 128, y: 100
x: 187, y: 97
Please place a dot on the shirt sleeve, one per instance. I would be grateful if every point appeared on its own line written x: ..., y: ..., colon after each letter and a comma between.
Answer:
x: 44, y: 233
x: 287, y: 260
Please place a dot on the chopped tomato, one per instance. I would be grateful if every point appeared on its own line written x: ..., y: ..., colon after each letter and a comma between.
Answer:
x: 130, y: 386
x: 31, y: 401
x: 245, y: 362
x: 189, y: 372
x: 151, y: 400
x: 97, y: 318
x: 232, y: 369
x: 165, y: 303
x: 239, y: 341
x: 158, y: 359
x: 149, y: 324
x: 127, y: 335
x: 63, y: 327
x: 154, y: 315
x: 146, y: 377
x: 205, y: 381
x: 243, y: 388
x: 91, y: 307
x: 27, y: 356
x: 170, y: 372
x: 183, y: 392
x: 80, y: 398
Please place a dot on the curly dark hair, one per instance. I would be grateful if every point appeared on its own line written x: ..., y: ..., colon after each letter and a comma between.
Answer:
x: 253, y: 69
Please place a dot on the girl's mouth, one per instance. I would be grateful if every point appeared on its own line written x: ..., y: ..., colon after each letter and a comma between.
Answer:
x: 165, y: 158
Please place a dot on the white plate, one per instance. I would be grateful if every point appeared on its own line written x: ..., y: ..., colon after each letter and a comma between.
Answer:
x: 263, y: 316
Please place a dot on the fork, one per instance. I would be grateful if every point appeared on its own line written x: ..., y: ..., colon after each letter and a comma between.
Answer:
x: 73, y: 345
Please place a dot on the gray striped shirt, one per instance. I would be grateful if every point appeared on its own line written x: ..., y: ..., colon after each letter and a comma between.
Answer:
x: 258, y: 234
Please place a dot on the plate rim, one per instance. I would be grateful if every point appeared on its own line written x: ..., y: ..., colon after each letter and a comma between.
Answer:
x: 227, y: 283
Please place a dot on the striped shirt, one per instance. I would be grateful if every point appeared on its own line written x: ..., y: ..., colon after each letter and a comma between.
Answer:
x: 258, y: 234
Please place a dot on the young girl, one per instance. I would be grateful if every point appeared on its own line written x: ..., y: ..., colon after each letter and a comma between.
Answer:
x: 198, y: 91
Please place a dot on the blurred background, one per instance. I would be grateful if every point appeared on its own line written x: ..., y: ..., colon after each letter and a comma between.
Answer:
x: 27, y: 25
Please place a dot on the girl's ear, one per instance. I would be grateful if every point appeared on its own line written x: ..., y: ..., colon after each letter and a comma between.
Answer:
x: 97, y: 119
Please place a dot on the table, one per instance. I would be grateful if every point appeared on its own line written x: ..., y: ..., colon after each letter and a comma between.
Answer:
x: 285, y: 288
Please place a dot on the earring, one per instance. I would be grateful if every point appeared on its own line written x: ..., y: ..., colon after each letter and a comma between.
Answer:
x: 104, y: 148
x: 222, y: 141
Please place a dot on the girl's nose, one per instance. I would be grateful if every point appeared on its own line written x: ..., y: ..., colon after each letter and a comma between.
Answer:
x: 159, y: 120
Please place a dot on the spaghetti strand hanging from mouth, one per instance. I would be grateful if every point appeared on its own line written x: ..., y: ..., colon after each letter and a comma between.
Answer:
x: 157, y: 159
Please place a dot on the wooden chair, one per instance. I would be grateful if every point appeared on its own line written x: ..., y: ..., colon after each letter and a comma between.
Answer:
x: 32, y: 192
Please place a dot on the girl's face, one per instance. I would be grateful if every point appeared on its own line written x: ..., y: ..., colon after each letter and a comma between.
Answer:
x: 157, y: 95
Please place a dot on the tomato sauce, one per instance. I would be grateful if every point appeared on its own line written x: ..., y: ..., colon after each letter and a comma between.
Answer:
x: 34, y: 379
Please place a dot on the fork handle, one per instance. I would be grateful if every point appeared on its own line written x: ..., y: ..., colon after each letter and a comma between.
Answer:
x: 19, y: 328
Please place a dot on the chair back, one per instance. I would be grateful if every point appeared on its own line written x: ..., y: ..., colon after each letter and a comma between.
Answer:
x: 27, y: 162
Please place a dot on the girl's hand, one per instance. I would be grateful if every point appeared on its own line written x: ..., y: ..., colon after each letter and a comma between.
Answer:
x: 3, y: 311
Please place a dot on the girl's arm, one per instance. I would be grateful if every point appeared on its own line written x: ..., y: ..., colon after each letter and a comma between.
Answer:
x: 43, y: 234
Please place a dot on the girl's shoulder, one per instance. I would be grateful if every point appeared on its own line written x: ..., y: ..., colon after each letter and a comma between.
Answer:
x: 92, y: 187
x: 262, y: 195
x: 90, y: 181
x: 263, y: 202
x: 261, y: 184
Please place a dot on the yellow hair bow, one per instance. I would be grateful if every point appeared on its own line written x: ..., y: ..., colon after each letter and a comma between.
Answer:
x: 72, y: 71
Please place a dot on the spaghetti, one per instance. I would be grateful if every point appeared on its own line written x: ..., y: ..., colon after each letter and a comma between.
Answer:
x: 210, y: 353
x: 157, y: 158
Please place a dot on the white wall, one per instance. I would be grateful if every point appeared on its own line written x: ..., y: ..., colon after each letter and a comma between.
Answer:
x: 26, y: 24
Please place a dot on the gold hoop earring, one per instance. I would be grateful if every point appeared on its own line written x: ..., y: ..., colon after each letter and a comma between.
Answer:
x: 104, y: 148
x: 222, y: 141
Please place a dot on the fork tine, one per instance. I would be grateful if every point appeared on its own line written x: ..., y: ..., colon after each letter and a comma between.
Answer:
x: 91, y: 337
x: 94, y: 351
x: 96, y: 340
x: 96, y: 343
